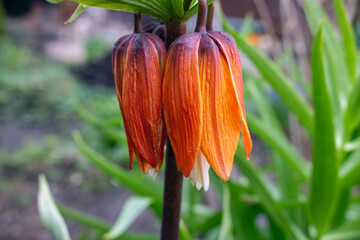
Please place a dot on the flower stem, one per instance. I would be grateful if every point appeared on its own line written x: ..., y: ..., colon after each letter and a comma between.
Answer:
x: 210, y: 17
x: 173, y: 177
x: 172, y: 197
x: 137, y: 23
x: 201, y: 18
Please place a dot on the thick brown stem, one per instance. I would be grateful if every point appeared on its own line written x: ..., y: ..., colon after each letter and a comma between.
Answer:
x: 210, y: 17
x: 173, y: 178
x: 137, y: 23
x: 201, y: 18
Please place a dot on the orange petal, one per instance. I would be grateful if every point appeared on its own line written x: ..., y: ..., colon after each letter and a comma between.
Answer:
x: 118, y: 59
x: 221, y: 109
x: 142, y: 98
x: 229, y: 49
x: 182, y: 100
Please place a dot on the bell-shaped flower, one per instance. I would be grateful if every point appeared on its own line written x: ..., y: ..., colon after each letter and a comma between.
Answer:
x: 138, y: 65
x: 204, y: 104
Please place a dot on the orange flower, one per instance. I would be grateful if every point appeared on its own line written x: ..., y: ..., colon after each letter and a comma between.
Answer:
x: 204, y: 104
x: 138, y: 64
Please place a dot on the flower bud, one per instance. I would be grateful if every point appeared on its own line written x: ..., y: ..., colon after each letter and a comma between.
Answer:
x: 138, y: 64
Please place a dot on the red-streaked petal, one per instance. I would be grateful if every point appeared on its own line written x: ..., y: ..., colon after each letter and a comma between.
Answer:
x: 229, y: 49
x: 182, y: 101
x: 142, y: 98
x: 118, y: 59
x: 222, y: 112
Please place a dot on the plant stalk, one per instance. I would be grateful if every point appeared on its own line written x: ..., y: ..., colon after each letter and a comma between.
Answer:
x: 201, y: 19
x: 173, y: 177
x: 137, y: 23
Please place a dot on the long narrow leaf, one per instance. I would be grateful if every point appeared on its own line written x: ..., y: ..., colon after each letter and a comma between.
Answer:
x: 281, y: 144
x: 324, y: 176
x: 131, y: 210
x: 84, y: 219
x: 349, y: 171
x: 50, y: 216
x: 267, y: 200
x: 152, y: 8
x: 133, y: 181
x: 348, y: 36
x: 275, y: 78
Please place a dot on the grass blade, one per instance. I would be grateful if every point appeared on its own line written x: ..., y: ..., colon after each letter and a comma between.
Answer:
x: 133, y: 207
x: 348, y: 36
x: 278, y: 142
x: 50, y: 215
x: 324, y: 176
x: 280, y: 83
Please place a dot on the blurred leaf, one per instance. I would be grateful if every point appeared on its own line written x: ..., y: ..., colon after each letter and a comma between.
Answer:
x: 274, y: 77
x: 154, y: 8
x: 133, y: 207
x: 335, y: 65
x: 226, y: 224
x: 193, y: 10
x: 278, y: 142
x: 353, y: 145
x: 84, y: 219
x: 349, y: 171
x: 324, y: 176
x: 348, y: 36
x: 134, y: 181
x: 184, y: 233
x: 49, y: 213
x: 55, y: 1
x: 348, y: 231
x: 178, y: 7
x: 352, y: 115
x: 258, y: 184
x: 79, y: 10
x: 243, y: 214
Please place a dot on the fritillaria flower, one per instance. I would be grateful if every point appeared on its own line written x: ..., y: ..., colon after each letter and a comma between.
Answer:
x: 138, y: 65
x: 204, y: 104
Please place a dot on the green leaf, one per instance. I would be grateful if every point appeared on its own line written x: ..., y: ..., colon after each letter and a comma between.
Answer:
x: 193, y: 10
x: 348, y: 36
x: 258, y: 184
x: 226, y: 224
x: 142, y: 185
x: 184, y: 233
x: 348, y: 231
x: 49, y: 213
x: 349, y: 171
x: 79, y: 10
x: 154, y: 8
x: 177, y: 7
x: 85, y: 220
x: 131, y: 210
x: 274, y: 77
x: 324, y: 176
x: 277, y: 141
x: 352, y: 115
x: 353, y: 145
x: 55, y: 1
x: 243, y: 214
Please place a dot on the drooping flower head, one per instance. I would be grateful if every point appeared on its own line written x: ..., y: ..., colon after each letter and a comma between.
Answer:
x: 204, y: 104
x: 138, y: 65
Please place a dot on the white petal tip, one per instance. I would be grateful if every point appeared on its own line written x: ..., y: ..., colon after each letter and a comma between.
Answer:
x: 152, y: 173
x: 199, y: 175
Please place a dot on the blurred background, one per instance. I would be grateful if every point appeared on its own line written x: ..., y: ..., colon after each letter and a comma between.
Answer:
x: 56, y: 79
